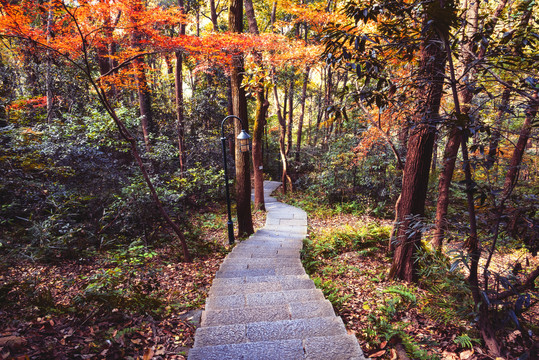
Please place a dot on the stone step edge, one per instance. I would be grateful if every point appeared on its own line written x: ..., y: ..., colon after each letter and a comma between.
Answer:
x: 269, y: 331
x: 304, y: 349
x: 291, y: 311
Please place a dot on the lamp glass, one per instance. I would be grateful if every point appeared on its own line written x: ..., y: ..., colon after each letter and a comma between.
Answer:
x: 243, y: 139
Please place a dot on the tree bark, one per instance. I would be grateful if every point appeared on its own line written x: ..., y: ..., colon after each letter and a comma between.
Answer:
x: 302, y: 114
x: 48, y: 75
x: 429, y: 92
x: 465, y: 96
x: 213, y: 15
x: 239, y: 108
x: 282, y: 139
x: 495, y: 131
x: 290, y: 117
x: 143, y: 92
x: 262, y: 105
x: 178, y: 82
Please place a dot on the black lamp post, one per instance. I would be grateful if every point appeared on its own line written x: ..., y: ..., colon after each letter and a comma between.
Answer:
x: 243, y: 139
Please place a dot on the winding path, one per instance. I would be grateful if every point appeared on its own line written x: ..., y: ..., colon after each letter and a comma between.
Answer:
x: 262, y: 305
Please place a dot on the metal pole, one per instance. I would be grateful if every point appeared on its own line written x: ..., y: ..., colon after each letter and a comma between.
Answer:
x: 223, y: 143
x: 230, y: 225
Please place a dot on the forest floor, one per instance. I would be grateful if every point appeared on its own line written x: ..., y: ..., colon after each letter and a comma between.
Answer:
x: 108, y: 306
x: 436, y: 323
x: 52, y: 311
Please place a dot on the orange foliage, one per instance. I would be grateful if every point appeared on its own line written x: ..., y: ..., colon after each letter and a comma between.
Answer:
x: 79, y: 28
x: 33, y: 103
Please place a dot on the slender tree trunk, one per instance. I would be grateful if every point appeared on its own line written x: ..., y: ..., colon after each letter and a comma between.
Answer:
x: 145, y: 104
x: 48, y: 75
x: 495, y: 131
x: 180, y: 121
x: 143, y: 92
x: 429, y: 92
x: 273, y: 15
x: 290, y: 118
x: 455, y: 134
x: 302, y: 114
x: 178, y: 82
x: 213, y: 15
x: 282, y: 139
x: 516, y: 159
x: 454, y: 137
x: 239, y: 107
x: 260, y: 118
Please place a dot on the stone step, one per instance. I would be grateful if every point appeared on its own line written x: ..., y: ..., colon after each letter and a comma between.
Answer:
x: 267, y: 350
x: 261, y: 261
x: 244, y: 265
x: 340, y: 347
x: 273, y: 254
x: 262, y: 299
x: 259, y: 272
x: 283, y: 279
x: 249, y: 314
x: 269, y: 331
x: 254, y: 287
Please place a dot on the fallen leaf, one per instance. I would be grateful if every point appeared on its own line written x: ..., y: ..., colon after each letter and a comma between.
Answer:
x: 465, y: 355
x: 378, y: 354
x: 148, y: 354
x: 446, y: 355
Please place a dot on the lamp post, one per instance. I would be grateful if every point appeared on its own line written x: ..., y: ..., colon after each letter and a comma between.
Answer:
x: 243, y: 139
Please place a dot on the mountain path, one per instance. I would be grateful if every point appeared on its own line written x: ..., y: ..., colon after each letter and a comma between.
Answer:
x: 263, y: 306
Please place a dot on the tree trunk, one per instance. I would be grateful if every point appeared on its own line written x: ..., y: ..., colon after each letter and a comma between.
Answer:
x: 213, y: 15
x: 145, y: 104
x: 516, y: 159
x: 143, y: 92
x: 430, y: 80
x: 454, y: 137
x: 48, y: 75
x: 455, y: 134
x: 290, y: 117
x: 260, y: 118
x: 178, y: 82
x: 302, y: 114
x: 495, y: 131
x: 239, y: 108
x: 282, y: 139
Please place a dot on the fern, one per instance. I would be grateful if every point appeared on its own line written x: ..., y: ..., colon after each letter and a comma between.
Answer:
x: 405, y: 293
x: 465, y: 341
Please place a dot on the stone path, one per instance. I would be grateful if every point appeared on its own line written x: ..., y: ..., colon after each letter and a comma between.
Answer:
x: 262, y: 305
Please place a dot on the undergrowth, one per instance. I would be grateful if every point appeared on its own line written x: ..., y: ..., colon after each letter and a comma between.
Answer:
x: 392, y: 310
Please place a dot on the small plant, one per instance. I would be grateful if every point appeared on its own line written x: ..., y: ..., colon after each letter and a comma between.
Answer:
x: 465, y: 341
x: 129, y: 284
x: 331, y: 292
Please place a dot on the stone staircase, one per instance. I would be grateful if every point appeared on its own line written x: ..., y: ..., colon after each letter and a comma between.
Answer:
x: 262, y: 305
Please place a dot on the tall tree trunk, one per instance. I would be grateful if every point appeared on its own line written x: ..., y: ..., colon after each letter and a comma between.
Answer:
x: 178, y: 82
x: 143, y: 92
x: 145, y: 103
x: 290, y: 118
x: 430, y: 79
x: 282, y: 139
x: 239, y: 107
x: 48, y: 75
x: 495, y: 130
x: 454, y: 137
x: 213, y: 15
x: 516, y: 159
x: 302, y: 114
x: 273, y: 15
x: 260, y: 118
